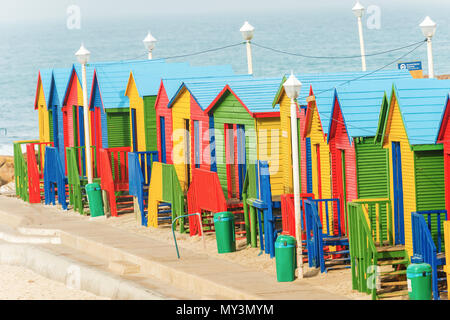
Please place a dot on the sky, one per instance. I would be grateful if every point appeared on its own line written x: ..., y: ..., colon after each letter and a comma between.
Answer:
x: 42, y: 10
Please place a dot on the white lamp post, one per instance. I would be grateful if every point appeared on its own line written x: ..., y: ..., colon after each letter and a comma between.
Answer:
x: 83, y: 56
x: 292, y: 88
x: 247, y: 31
x: 428, y: 27
x: 149, y: 43
x: 358, y: 11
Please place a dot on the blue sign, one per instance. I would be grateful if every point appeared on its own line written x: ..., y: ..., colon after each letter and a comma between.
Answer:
x: 411, y: 66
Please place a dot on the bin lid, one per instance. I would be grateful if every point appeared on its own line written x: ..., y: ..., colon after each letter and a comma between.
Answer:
x: 92, y: 186
x: 284, y: 240
x: 415, y: 268
x: 223, y: 216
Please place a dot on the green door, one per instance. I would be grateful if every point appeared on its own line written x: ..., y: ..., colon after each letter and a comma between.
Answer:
x: 430, y: 183
x: 118, y: 123
x: 372, y: 173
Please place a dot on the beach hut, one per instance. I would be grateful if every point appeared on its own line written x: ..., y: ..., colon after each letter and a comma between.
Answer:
x: 72, y: 108
x: 58, y: 88
x: 42, y: 97
x: 359, y: 167
x: 246, y: 129
x: 408, y: 128
x: 167, y: 89
x: 191, y: 124
x: 444, y: 139
x: 142, y: 90
x: 109, y: 103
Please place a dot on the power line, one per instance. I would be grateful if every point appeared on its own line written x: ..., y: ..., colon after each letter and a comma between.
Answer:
x: 188, y: 54
x: 335, y: 57
x: 204, y: 51
x: 371, y: 72
x: 330, y: 118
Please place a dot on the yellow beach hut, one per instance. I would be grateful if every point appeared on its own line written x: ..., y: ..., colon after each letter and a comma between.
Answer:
x: 408, y: 128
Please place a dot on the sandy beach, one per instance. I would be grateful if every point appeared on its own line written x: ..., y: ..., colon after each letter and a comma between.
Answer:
x: 18, y: 283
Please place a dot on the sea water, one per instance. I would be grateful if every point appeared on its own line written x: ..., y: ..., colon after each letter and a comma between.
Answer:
x: 317, y: 30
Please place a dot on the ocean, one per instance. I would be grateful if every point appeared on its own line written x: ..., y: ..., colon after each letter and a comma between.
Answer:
x: 317, y: 30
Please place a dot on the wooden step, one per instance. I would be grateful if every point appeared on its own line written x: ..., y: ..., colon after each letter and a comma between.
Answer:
x: 393, y: 294
x: 393, y: 273
x: 391, y: 248
x: 394, y: 283
x: 391, y: 262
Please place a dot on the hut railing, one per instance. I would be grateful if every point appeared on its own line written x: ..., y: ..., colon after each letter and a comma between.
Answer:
x: 114, y: 173
x: 35, y: 166
x: 80, y: 156
x: 21, y: 170
x: 205, y: 196
x: 139, y: 173
x: 379, y: 218
x: 447, y: 252
x: 363, y: 252
x: 54, y: 179
x: 427, y: 248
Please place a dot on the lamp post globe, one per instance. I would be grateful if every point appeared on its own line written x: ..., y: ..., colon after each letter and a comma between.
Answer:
x: 428, y: 27
x: 358, y: 10
x: 247, y: 31
x: 292, y: 87
x: 83, y: 55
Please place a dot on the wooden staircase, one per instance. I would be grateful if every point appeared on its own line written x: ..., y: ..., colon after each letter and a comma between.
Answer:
x: 378, y: 264
x: 392, y: 262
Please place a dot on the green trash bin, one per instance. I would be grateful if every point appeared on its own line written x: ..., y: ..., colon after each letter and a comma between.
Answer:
x: 285, y: 256
x: 419, y: 281
x: 225, y: 236
x: 94, y: 194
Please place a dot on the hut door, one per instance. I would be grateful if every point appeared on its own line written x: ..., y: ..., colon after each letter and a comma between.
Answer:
x: 197, y: 160
x: 398, y: 193
x: 241, y: 156
x: 230, y: 153
x: 341, y: 186
x: 162, y: 127
x: 187, y: 151
x: 96, y: 129
x: 81, y: 135
x: 235, y: 158
x: 319, y: 175
x: 447, y: 182
x: 66, y: 135
x: 309, y: 188
x: 134, y: 129
x: 54, y: 124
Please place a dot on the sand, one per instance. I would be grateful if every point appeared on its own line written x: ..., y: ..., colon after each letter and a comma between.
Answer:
x: 18, y: 283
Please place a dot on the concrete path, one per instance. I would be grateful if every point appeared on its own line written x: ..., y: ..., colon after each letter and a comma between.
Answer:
x: 140, y: 258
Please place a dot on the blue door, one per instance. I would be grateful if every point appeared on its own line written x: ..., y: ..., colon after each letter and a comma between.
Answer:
x: 197, y: 144
x: 398, y: 194
x: 309, y: 188
x: 212, y: 143
x: 162, y: 126
x: 55, y: 127
x: 134, y: 130
x: 81, y: 133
